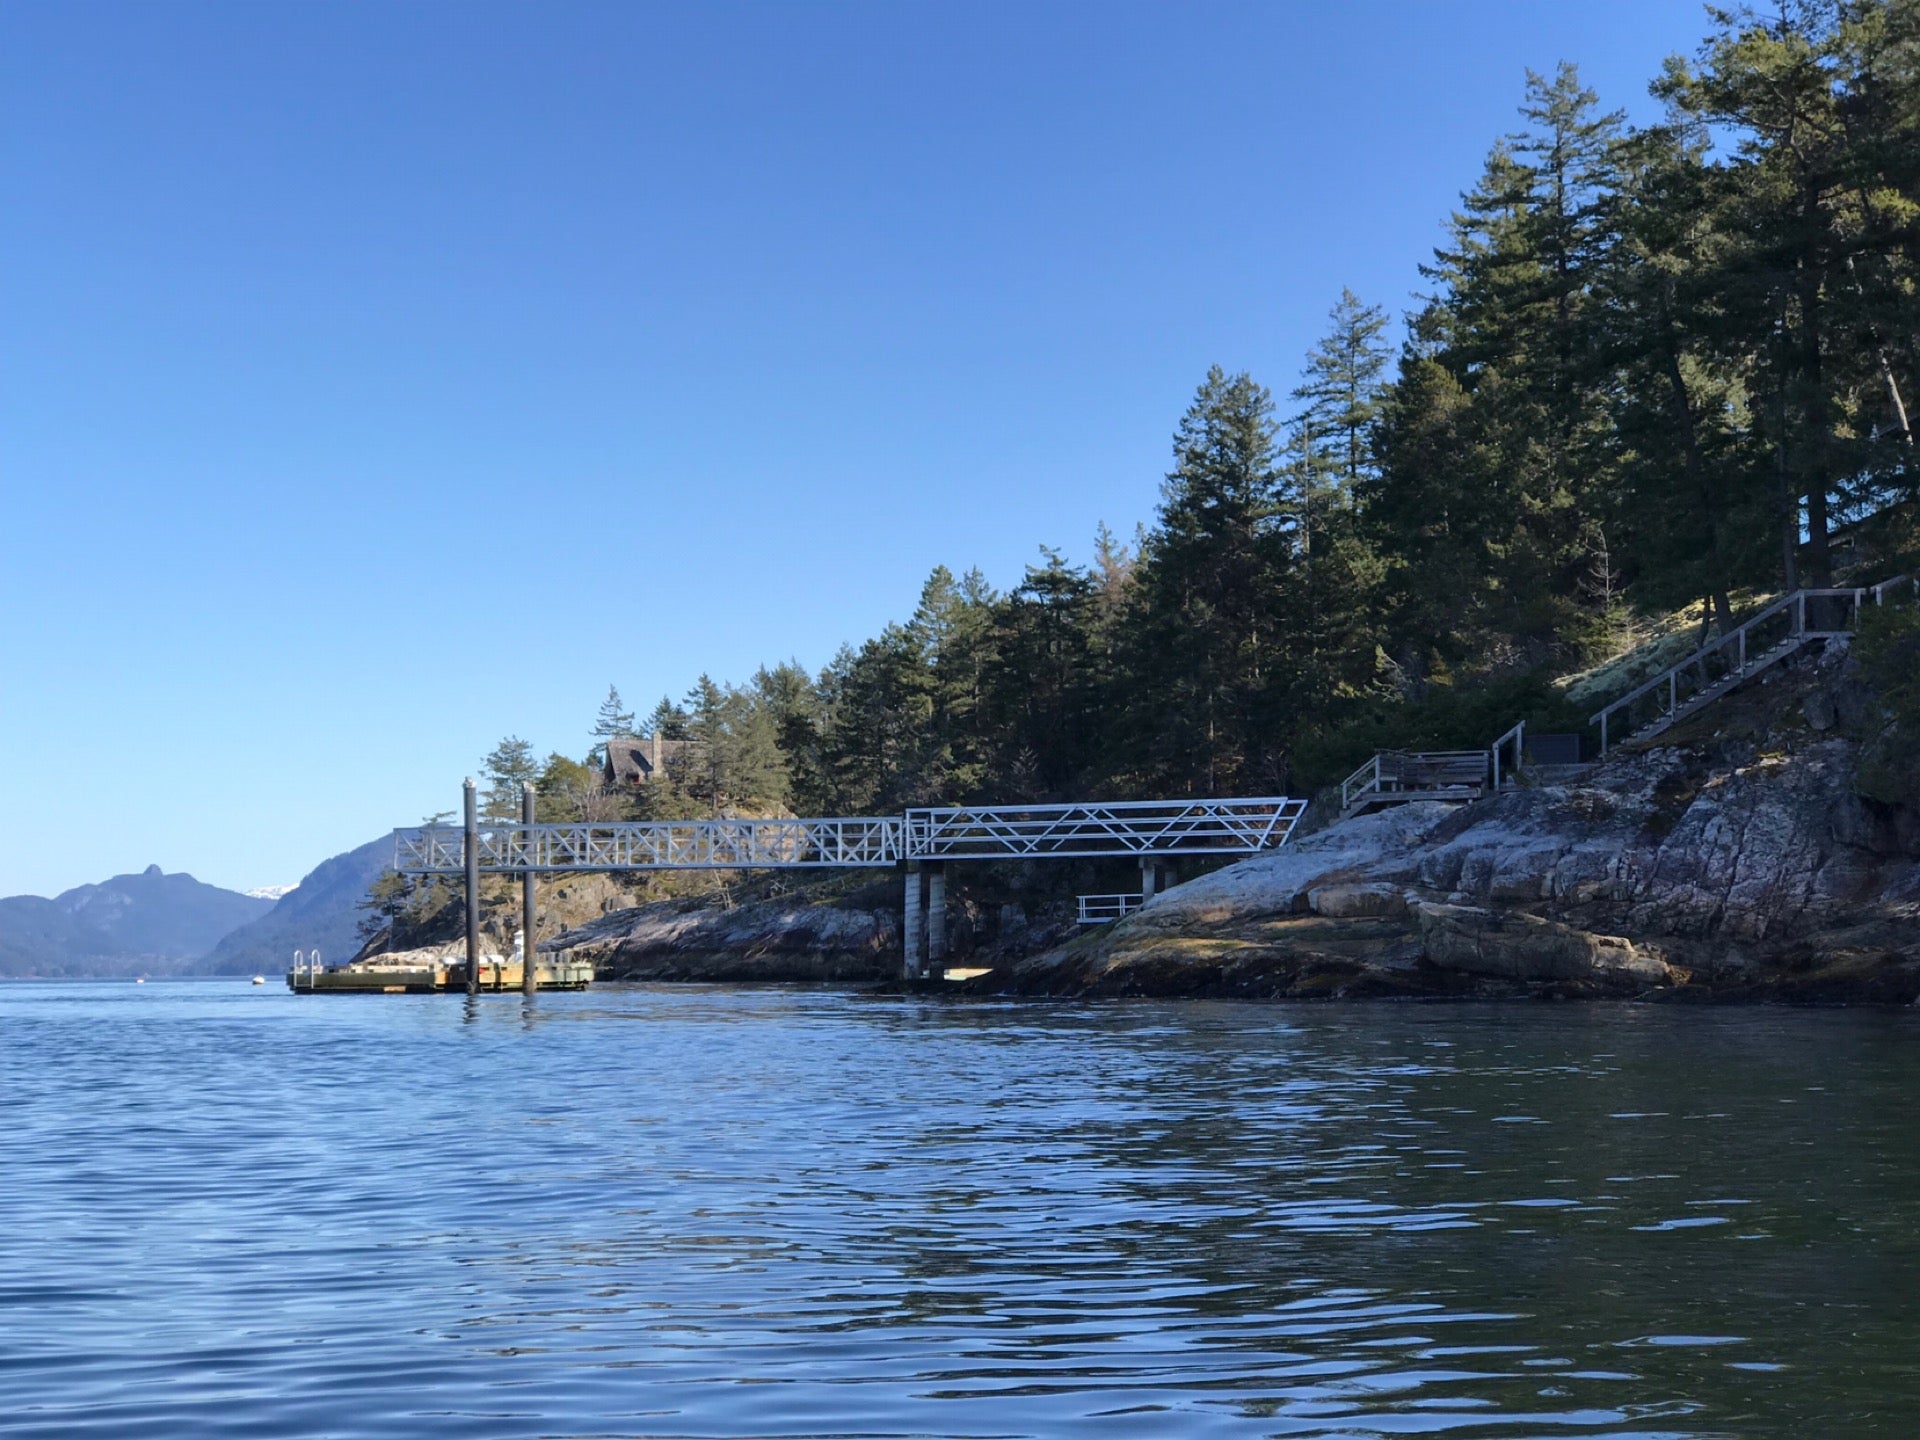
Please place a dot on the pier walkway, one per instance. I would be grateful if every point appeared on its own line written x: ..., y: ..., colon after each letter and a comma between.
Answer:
x: 922, y: 840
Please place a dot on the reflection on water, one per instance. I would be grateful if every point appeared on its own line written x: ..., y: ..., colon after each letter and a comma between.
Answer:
x: 658, y: 1211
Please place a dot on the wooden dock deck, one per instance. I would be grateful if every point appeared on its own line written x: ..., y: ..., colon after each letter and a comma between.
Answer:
x: 438, y: 978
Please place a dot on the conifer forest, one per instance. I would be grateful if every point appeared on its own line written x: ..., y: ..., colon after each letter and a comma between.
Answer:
x: 1653, y: 368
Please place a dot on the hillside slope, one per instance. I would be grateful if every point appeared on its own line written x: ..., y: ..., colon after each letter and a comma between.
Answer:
x: 151, y: 922
x: 1733, y: 859
x: 323, y: 913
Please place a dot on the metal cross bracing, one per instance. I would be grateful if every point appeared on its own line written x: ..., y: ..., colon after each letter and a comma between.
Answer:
x: 1119, y: 828
x: 654, y: 845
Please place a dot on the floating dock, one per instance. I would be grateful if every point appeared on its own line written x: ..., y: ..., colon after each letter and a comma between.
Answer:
x: 441, y: 977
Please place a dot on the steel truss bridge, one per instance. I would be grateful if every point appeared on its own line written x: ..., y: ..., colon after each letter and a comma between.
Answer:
x: 1141, y: 828
x: 923, y: 840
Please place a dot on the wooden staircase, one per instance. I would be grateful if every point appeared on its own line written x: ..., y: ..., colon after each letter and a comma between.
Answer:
x: 1783, y: 629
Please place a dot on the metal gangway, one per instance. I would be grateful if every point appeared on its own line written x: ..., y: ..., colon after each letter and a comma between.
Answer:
x: 923, y: 839
x: 1143, y: 828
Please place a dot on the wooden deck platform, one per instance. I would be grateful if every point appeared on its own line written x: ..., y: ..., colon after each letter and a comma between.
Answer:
x: 441, y: 978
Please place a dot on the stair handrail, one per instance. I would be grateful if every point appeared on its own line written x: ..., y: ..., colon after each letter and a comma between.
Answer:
x: 1795, y: 600
x: 1518, y: 736
x: 1785, y: 602
x: 1879, y: 592
x: 1366, y: 778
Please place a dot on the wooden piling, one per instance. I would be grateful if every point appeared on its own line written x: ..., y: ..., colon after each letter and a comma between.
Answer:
x: 529, y: 915
x: 472, y: 849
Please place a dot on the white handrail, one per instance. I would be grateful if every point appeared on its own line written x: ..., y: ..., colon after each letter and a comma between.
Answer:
x: 1100, y: 909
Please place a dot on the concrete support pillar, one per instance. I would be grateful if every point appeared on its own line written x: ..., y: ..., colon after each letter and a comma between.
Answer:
x: 914, y: 929
x: 472, y: 850
x: 529, y: 912
x: 1149, y: 875
x: 936, y: 913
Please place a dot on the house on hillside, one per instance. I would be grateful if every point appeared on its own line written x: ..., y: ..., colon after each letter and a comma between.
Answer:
x: 634, y: 760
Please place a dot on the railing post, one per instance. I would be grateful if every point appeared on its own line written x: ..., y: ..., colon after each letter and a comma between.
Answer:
x: 529, y: 915
x: 471, y: 804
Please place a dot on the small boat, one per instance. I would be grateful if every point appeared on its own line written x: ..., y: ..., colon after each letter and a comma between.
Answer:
x: 259, y: 979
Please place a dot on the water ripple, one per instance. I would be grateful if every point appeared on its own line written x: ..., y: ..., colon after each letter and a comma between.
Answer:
x: 708, y: 1212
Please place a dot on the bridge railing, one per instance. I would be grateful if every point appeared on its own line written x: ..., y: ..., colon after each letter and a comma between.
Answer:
x: 656, y: 845
x: 1120, y: 827
x: 1134, y: 827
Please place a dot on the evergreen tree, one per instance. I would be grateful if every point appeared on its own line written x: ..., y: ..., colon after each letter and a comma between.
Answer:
x: 952, y: 631
x: 1204, y: 635
x: 1333, y: 636
x: 386, y: 900
x: 667, y: 721
x: 1490, y: 447
x: 1042, y: 707
x: 568, y: 791
x: 612, y: 723
x: 798, y: 713
x: 735, y: 764
x: 1341, y: 394
x: 1688, y: 504
x: 882, y: 713
x: 508, y: 766
x: 1437, y: 514
x: 1823, y: 208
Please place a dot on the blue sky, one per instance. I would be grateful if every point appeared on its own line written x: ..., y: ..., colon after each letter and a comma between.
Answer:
x: 380, y: 379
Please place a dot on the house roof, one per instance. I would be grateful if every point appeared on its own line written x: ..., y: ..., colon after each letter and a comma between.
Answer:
x: 631, y: 760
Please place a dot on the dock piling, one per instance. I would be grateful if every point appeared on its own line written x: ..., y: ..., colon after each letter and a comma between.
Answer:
x: 528, y: 914
x: 472, y: 847
x: 936, y: 913
x: 914, y: 958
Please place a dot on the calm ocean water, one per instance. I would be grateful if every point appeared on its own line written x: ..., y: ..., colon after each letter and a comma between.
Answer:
x: 229, y: 1211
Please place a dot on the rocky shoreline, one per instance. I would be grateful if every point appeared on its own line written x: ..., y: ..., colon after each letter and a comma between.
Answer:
x: 1733, y: 863
x: 692, y: 939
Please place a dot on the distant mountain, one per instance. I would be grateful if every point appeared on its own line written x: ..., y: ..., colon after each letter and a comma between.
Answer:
x: 273, y: 892
x: 322, y: 912
x: 150, y: 923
